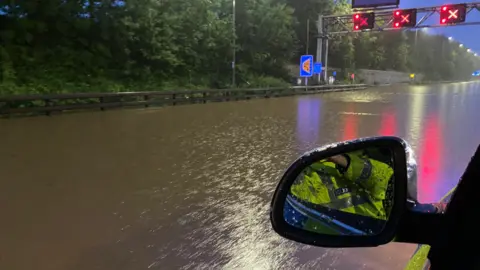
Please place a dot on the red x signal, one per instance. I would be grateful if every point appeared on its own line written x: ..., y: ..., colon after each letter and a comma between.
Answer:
x: 405, y: 18
x: 453, y: 14
x: 363, y: 21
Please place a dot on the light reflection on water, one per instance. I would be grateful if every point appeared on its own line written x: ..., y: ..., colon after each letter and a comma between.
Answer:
x: 430, y: 162
x: 309, y: 122
x: 350, y: 124
x: 388, y: 124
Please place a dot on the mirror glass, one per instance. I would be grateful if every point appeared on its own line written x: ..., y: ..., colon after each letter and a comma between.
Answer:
x: 346, y: 194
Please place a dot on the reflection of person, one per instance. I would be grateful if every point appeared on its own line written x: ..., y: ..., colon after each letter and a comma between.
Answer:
x: 433, y: 208
x: 350, y: 183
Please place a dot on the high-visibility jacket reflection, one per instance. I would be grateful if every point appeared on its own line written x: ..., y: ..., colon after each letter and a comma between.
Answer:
x: 358, y: 186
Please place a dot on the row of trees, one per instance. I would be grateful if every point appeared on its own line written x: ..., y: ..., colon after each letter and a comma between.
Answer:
x: 112, y: 45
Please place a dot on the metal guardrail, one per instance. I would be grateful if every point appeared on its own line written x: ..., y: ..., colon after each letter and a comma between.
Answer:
x: 436, y: 82
x: 46, y: 104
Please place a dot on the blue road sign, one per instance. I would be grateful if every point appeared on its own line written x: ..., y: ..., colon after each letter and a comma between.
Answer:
x: 334, y: 74
x: 306, y: 66
x: 317, y: 68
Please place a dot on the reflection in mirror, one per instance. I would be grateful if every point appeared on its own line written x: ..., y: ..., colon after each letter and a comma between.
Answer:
x: 346, y: 194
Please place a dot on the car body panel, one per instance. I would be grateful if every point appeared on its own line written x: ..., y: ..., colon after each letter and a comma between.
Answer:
x: 419, y: 258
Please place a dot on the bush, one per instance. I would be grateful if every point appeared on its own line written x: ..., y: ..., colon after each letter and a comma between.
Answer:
x: 264, y: 81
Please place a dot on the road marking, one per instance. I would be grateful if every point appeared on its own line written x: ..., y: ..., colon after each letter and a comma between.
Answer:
x: 355, y: 113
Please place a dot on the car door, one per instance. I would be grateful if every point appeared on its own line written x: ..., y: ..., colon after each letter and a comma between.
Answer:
x: 419, y: 260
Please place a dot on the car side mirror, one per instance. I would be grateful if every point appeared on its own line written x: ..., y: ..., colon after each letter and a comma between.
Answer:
x: 348, y: 194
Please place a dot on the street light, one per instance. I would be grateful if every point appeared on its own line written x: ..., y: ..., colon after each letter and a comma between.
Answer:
x: 461, y: 45
x: 450, y: 38
x: 424, y: 30
x: 469, y: 50
x: 234, y: 43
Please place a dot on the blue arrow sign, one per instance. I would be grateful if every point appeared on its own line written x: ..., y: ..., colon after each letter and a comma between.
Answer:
x: 306, y: 66
x: 317, y: 68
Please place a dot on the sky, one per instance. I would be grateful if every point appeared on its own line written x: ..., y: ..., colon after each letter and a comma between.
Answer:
x: 468, y: 35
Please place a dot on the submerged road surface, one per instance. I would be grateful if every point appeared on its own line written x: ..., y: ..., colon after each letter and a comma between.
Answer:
x: 189, y: 187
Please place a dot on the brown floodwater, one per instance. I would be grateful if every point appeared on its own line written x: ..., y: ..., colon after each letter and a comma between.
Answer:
x: 189, y: 187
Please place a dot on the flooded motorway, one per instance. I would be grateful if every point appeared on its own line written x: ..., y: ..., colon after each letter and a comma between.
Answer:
x: 189, y: 187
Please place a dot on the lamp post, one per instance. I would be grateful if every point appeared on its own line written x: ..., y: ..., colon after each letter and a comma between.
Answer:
x: 234, y: 43
x: 425, y: 30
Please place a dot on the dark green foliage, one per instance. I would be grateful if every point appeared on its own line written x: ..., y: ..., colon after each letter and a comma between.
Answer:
x: 57, y: 46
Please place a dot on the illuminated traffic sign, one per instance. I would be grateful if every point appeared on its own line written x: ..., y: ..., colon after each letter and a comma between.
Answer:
x: 363, y: 21
x: 451, y: 14
x: 317, y: 68
x: 404, y: 18
x: 306, y: 66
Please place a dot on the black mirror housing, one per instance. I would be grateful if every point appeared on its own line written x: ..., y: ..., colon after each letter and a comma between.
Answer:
x: 398, y: 149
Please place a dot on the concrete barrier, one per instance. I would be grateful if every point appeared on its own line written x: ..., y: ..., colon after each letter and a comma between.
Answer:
x: 367, y: 76
x: 374, y: 77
